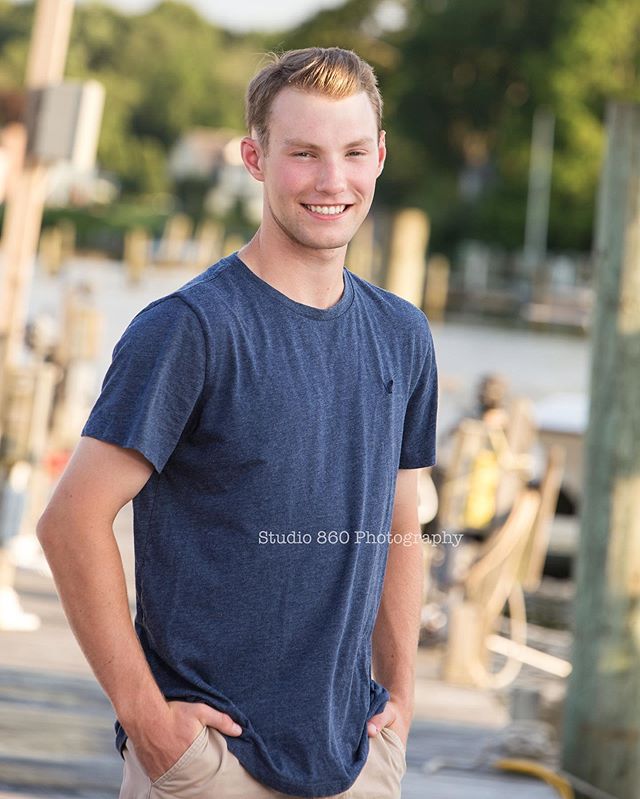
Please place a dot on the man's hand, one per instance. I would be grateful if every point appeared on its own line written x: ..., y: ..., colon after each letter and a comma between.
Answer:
x: 160, y: 743
x: 395, y: 716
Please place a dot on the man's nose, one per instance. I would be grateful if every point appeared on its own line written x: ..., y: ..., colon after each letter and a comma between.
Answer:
x: 331, y: 179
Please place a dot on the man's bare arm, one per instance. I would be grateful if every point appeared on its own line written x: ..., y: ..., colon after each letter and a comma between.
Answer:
x: 76, y: 534
x: 396, y: 632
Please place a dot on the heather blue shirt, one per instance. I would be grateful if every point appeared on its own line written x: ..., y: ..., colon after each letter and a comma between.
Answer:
x: 265, y: 417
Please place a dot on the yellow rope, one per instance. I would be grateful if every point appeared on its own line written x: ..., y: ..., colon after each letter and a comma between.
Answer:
x: 521, y: 766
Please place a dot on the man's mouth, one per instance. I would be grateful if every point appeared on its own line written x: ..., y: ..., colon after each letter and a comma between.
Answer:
x: 327, y: 210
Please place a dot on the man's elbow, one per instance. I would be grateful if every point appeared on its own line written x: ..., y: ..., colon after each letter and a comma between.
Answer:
x: 56, y: 522
x: 46, y: 528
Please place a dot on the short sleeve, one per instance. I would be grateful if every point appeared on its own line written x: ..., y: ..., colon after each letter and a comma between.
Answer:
x: 419, y: 432
x: 154, y: 382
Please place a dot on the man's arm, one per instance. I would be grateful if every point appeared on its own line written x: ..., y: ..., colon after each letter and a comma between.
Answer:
x: 76, y: 534
x: 397, y: 628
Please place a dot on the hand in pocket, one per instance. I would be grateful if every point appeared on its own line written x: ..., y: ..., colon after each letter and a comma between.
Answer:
x: 160, y: 743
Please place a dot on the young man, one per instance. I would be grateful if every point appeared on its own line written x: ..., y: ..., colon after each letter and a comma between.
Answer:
x: 268, y: 420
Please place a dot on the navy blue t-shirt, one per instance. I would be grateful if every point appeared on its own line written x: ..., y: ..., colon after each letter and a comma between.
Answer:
x: 276, y: 431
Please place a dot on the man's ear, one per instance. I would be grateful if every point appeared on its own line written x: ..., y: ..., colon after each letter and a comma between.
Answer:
x: 382, y: 152
x: 252, y: 157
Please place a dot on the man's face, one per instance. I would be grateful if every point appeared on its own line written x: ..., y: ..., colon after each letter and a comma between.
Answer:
x: 324, y: 157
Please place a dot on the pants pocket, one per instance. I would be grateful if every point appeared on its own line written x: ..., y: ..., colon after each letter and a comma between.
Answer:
x: 396, y: 743
x: 194, y: 776
x: 195, y: 748
x: 395, y: 738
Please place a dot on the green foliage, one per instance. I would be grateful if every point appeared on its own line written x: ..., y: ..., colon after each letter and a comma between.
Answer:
x: 463, y: 98
x: 352, y: 26
x: 164, y: 72
x: 471, y: 77
x: 461, y: 81
x: 104, y: 228
x: 596, y: 59
x: 15, y: 21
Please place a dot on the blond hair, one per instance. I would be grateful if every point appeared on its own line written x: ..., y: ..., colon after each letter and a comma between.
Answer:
x: 330, y: 71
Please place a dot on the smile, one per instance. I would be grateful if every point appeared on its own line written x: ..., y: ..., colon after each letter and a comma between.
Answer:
x: 327, y: 210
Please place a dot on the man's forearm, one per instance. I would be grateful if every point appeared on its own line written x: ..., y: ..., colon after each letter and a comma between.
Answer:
x: 87, y: 569
x: 396, y: 632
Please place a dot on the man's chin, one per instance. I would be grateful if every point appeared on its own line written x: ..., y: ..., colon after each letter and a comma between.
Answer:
x: 325, y: 242
x: 318, y: 239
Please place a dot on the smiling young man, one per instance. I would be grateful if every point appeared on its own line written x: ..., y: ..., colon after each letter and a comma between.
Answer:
x: 267, y: 419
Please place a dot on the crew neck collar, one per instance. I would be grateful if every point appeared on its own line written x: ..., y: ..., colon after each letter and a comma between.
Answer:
x: 300, y: 308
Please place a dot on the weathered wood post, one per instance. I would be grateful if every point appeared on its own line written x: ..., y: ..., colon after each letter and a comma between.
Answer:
x: 407, y: 267
x: 602, y: 717
x: 136, y: 253
x: 177, y: 232
x: 20, y: 232
x: 436, y: 289
x: 360, y: 254
x: 21, y: 228
x: 208, y: 245
x: 50, y: 250
x: 538, y: 196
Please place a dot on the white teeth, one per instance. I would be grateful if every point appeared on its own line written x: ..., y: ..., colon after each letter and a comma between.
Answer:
x: 327, y: 209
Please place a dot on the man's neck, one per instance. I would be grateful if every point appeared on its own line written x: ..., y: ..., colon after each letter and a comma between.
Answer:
x: 311, y: 277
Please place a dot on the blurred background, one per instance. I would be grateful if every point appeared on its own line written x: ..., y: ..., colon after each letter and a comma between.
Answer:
x: 120, y: 179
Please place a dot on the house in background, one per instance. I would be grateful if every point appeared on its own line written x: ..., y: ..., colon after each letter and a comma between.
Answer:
x: 206, y: 167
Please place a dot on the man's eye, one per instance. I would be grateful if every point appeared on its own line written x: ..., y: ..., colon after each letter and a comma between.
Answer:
x: 356, y: 152
x: 302, y: 155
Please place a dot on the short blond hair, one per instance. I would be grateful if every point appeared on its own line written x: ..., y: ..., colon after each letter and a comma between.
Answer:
x: 330, y: 71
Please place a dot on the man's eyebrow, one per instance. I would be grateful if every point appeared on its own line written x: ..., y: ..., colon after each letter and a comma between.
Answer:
x: 310, y: 146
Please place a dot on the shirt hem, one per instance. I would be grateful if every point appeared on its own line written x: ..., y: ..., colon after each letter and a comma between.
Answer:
x: 417, y: 463
x: 92, y: 430
x: 309, y: 790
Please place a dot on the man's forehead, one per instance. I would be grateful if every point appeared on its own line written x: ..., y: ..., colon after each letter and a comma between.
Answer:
x: 304, y: 116
x: 312, y: 142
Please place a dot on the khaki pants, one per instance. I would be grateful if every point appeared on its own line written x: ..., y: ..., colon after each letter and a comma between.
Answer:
x: 207, y: 770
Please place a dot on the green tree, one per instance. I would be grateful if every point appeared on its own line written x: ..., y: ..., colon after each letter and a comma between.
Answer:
x: 353, y: 25
x: 461, y: 81
x: 460, y: 106
x: 597, y: 58
x: 15, y: 27
x: 164, y: 71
